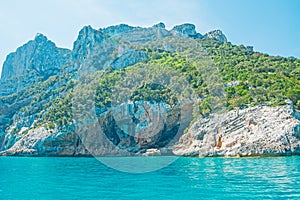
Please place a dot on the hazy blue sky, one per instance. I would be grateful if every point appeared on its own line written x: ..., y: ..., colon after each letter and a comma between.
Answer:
x: 271, y: 26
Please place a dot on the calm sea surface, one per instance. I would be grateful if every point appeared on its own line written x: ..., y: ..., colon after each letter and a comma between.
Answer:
x: 186, y: 178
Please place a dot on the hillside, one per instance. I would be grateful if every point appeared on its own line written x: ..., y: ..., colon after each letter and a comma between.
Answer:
x: 126, y: 90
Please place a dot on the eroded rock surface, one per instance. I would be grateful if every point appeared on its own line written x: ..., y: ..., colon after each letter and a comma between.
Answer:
x: 268, y: 131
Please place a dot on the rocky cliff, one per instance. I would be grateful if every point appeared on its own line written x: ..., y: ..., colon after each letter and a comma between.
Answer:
x: 33, y: 62
x: 129, y: 129
x: 260, y: 130
x: 39, y: 56
x: 125, y: 90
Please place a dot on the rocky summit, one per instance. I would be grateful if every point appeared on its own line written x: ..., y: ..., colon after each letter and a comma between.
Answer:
x: 142, y: 91
x: 39, y: 56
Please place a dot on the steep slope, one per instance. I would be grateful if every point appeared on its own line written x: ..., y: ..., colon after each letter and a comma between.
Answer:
x: 25, y: 76
x: 255, y: 131
x: 39, y: 56
x: 127, y: 90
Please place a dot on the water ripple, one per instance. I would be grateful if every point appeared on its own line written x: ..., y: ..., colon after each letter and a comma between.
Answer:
x: 187, y: 178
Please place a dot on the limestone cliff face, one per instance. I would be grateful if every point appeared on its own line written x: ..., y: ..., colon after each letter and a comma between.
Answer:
x: 43, y: 141
x: 129, y: 129
x: 39, y: 56
x: 95, y: 50
x: 32, y: 63
x: 268, y: 131
x: 40, y: 75
x: 139, y: 35
x: 186, y: 30
x: 86, y: 47
x: 257, y: 131
x: 25, y: 71
x: 118, y: 29
x: 38, y: 71
x: 217, y: 35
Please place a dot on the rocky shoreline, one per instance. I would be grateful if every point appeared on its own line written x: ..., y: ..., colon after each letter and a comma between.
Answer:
x: 130, y: 91
x: 259, y: 131
x: 256, y: 131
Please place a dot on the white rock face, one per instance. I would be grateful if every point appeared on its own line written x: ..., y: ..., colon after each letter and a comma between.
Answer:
x: 45, y: 142
x: 267, y: 131
x: 29, y: 144
x: 253, y: 131
x: 152, y: 152
x: 129, y: 129
x: 217, y: 35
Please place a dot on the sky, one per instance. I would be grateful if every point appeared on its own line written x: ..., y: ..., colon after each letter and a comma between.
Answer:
x: 271, y: 26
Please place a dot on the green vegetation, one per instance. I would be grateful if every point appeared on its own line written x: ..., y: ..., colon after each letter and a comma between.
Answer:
x: 259, y: 78
x: 249, y: 78
x: 171, y: 76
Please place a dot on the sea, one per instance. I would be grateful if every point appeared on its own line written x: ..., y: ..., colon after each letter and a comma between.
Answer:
x: 182, y: 178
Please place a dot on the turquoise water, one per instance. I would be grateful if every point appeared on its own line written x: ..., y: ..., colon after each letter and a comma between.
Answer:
x: 186, y: 178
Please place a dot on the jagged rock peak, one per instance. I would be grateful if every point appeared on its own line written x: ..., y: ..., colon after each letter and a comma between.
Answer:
x: 39, y: 56
x: 159, y: 25
x: 88, y: 31
x: 187, y: 30
x: 39, y: 37
x: 216, y: 34
x: 88, y: 41
x: 117, y: 29
x: 88, y: 37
